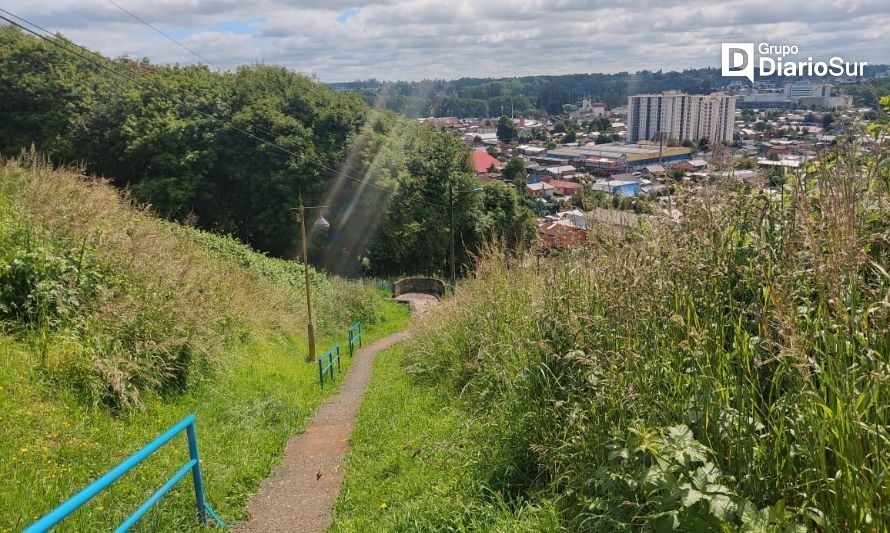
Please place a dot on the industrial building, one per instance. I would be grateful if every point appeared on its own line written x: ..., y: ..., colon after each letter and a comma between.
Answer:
x: 618, y: 157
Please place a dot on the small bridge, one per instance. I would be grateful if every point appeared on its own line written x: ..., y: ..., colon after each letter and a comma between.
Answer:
x: 418, y: 293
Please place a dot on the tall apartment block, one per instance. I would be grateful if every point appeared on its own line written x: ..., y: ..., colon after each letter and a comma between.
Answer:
x: 681, y: 116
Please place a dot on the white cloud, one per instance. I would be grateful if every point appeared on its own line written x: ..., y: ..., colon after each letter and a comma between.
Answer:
x: 414, y: 39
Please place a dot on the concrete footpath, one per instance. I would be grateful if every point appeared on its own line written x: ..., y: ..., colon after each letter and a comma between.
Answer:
x: 300, y: 494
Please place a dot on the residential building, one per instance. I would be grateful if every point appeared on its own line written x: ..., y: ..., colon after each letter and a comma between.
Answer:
x: 680, y: 116
x: 540, y: 189
x: 565, y: 188
x: 618, y: 187
x: 483, y: 162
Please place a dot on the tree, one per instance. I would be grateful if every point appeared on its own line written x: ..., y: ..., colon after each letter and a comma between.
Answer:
x: 763, y: 127
x: 827, y: 120
x: 515, y: 171
x: 687, y: 143
x: 506, y: 129
x: 676, y: 174
x: 703, y: 144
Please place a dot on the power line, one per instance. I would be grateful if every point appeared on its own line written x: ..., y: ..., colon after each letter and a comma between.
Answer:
x: 165, y: 35
x: 55, y: 42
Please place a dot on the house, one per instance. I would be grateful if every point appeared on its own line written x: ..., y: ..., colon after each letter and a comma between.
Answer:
x: 531, y: 150
x: 565, y: 188
x: 655, y: 170
x: 561, y: 233
x: 560, y: 170
x: 483, y: 161
x: 540, y: 190
x: 785, y: 163
x: 618, y: 187
x: 692, y: 165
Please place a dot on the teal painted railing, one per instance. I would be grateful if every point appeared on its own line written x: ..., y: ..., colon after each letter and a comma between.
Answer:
x: 355, y: 335
x: 326, y: 363
x: 193, y: 464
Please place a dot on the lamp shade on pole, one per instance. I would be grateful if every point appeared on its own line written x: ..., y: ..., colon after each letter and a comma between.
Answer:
x: 321, y: 224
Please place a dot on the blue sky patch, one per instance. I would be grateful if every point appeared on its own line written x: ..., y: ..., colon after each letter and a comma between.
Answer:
x: 348, y: 14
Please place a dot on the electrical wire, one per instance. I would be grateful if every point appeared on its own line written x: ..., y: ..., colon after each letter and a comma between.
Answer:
x: 162, y: 33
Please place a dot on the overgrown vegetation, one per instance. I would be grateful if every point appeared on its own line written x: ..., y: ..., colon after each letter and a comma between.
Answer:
x: 726, y: 372
x: 114, y: 325
x: 234, y: 152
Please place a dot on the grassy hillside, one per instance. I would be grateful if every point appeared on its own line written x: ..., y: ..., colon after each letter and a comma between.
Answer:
x: 729, y: 372
x: 114, y: 325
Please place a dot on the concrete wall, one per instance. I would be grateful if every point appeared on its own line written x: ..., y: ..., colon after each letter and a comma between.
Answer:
x: 425, y: 285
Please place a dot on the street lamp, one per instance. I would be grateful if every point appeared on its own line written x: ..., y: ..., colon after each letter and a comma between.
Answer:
x: 322, y: 225
x: 451, y: 215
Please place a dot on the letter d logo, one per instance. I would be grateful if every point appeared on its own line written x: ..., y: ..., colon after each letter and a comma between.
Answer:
x: 737, y: 60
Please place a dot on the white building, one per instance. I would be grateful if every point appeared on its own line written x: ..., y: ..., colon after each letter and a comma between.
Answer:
x: 800, y: 94
x: 681, y: 116
x: 589, y: 110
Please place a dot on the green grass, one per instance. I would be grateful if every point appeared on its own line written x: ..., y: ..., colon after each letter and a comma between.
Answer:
x: 115, y: 325
x: 415, y: 464
x: 244, y: 418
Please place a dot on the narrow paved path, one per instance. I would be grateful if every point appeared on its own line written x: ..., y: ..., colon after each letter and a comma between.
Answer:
x: 300, y: 494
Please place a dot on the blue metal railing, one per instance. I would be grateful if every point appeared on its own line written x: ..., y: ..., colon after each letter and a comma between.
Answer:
x: 194, y: 465
x: 326, y: 363
x: 355, y: 334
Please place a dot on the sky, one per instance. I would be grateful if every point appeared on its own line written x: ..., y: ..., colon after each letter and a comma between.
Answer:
x: 342, y: 40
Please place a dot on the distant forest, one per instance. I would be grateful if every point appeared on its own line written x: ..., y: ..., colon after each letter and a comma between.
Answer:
x: 537, y: 95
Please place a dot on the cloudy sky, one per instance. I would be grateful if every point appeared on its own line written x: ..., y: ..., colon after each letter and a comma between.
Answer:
x: 340, y: 40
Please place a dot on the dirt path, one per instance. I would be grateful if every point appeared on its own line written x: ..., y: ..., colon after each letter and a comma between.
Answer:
x: 300, y: 494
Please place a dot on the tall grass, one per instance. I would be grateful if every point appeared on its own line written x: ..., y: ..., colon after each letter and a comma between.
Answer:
x: 119, y: 302
x: 730, y: 370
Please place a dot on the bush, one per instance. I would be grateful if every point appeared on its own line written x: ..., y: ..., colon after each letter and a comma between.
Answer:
x: 41, y: 289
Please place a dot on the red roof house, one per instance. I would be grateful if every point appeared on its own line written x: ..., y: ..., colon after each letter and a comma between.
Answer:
x: 483, y: 161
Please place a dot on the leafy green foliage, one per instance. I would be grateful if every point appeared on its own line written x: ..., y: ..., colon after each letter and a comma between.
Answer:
x: 506, y: 129
x: 188, y: 142
x: 516, y: 172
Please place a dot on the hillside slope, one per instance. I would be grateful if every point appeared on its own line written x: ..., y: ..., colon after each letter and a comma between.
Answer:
x: 115, y: 324
x: 728, y: 372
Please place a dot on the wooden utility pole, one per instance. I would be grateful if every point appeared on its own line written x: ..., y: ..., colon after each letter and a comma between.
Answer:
x: 310, y: 357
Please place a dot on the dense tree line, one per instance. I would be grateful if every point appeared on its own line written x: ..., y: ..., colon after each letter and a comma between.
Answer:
x: 190, y: 142
x: 530, y: 95
x: 539, y: 95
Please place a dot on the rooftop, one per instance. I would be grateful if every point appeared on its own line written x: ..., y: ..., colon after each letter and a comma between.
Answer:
x: 483, y: 161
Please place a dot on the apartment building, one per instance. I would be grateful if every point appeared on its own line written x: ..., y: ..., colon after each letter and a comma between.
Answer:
x: 676, y: 115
